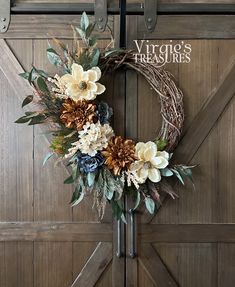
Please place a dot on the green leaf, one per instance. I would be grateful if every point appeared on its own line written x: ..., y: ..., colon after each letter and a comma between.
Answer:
x: 84, y: 23
x: 166, y: 172
x: 27, y: 100
x: 37, y: 120
x: 91, y: 179
x: 24, y: 75
x: 81, y: 32
x: 75, y: 172
x: 42, y: 85
x: 69, y: 180
x: 49, y: 155
x: 53, y: 57
x: 150, y: 205
x: 90, y: 29
x: 123, y: 218
x: 179, y: 176
x: 40, y: 72
x: 95, y: 57
x: 137, y: 202
x: 109, y: 193
x: 92, y: 41
x: 161, y: 144
x: 22, y: 120
x: 77, y: 197
x: 117, y: 209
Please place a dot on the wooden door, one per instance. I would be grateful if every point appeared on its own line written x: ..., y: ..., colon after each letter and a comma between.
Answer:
x: 43, y: 241
x: 190, y: 242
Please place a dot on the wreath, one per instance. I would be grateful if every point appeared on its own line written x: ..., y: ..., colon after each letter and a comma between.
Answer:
x: 102, y: 163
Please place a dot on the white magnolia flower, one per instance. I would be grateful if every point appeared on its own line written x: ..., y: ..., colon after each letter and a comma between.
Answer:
x: 92, y: 138
x: 149, y: 161
x: 82, y: 85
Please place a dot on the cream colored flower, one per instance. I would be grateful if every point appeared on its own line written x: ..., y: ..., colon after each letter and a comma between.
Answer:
x: 149, y: 162
x: 82, y: 85
x: 93, y: 138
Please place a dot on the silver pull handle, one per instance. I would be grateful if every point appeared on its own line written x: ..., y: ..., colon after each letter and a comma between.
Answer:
x: 119, y: 239
x: 132, y: 252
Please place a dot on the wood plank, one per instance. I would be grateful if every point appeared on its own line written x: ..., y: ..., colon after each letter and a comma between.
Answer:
x: 95, y: 266
x: 189, y: 27
x: 57, y: 231
x: 187, y: 232
x: 52, y: 264
x: 206, y: 118
x: 155, y: 268
x: 226, y: 267
x: 46, y: 27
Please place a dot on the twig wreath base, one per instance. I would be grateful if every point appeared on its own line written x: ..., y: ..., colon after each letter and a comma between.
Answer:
x: 102, y: 163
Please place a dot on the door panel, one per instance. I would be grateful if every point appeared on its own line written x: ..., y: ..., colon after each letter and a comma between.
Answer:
x: 190, y: 255
x: 45, y: 242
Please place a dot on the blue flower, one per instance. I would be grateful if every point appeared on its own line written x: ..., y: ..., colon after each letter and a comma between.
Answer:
x: 89, y: 163
x: 104, y: 112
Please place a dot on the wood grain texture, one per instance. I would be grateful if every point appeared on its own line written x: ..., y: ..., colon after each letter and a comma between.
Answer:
x: 46, y: 26
x: 55, y: 231
x: 187, y: 233
x: 226, y: 265
x: 95, y: 266
x: 155, y: 268
x: 207, y: 117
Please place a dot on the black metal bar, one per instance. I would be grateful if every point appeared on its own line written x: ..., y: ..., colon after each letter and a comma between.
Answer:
x: 132, y: 251
x: 138, y: 9
x: 119, y: 239
x: 122, y: 43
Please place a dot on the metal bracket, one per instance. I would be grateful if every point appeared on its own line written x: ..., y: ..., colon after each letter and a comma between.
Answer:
x: 5, y: 15
x: 150, y: 14
x: 101, y: 17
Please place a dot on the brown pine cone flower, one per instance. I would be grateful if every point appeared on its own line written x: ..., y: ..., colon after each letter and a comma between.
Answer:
x: 77, y: 114
x: 119, y: 154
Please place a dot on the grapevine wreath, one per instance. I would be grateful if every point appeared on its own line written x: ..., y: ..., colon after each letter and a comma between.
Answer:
x: 102, y: 163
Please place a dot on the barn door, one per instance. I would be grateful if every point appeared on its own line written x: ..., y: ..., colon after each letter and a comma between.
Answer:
x: 191, y: 240
x: 43, y: 241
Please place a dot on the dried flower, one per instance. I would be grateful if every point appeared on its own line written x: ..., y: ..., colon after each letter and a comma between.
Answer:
x: 82, y: 85
x: 89, y: 163
x: 149, y: 162
x: 119, y: 154
x: 104, y: 112
x: 76, y: 114
x: 92, y: 138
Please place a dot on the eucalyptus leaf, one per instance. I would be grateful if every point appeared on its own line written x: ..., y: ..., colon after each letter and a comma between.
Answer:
x: 90, y: 29
x: 27, y: 100
x: 77, y: 197
x: 81, y: 32
x: 53, y: 57
x: 42, y: 85
x: 137, y: 202
x: 95, y: 57
x: 179, y: 176
x: 75, y: 172
x: 150, y: 205
x: 84, y: 23
x: 22, y: 120
x: 47, y: 157
x: 91, y: 179
x: 24, y: 75
x: 39, y: 119
x: 69, y: 180
x: 166, y: 172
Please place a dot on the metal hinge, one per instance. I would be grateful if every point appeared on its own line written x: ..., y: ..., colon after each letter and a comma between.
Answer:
x: 150, y: 14
x: 101, y: 16
x: 5, y: 15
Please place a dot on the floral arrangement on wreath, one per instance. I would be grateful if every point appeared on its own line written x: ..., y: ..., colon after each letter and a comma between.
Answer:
x: 102, y: 163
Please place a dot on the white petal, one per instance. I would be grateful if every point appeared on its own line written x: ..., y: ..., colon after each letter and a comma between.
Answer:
x: 100, y: 89
x: 163, y: 154
x: 98, y: 72
x: 152, y: 145
x: 67, y: 78
x: 142, y: 174
x: 155, y: 161
x: 154, y: 175
x: 136, y: 165
x: 149, y: 153
x: 164, y: 162
x: 92, y: 87
x: 92, y: 76
x: 77, y: 72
